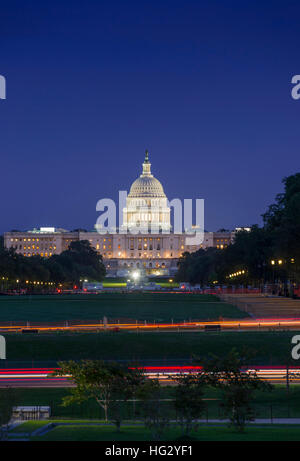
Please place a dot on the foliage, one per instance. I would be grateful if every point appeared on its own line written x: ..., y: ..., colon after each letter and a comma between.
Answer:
x: 80, y: 260
x: 188, y: 403
x: 156, y: 415
x: 103, y: 382
x: 252, y: 252
x: 198, y: 267
x: 282, y: 220
x: 237, y: 386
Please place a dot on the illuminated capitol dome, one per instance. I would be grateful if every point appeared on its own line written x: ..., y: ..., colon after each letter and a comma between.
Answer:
x: 146, y: 242
x: 147, y: 204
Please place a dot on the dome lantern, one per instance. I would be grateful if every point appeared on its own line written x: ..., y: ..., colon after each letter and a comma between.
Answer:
x: 147, y: 165
x: 146, y: 185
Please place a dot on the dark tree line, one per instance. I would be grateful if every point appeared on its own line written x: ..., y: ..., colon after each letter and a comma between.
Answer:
x: 79, y: 261
x: 265, y: 254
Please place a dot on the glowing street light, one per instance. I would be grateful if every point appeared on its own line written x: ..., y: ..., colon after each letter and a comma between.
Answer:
x: 136, y: 275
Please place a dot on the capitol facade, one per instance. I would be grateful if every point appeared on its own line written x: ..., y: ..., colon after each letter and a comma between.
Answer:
x: 145, y: 242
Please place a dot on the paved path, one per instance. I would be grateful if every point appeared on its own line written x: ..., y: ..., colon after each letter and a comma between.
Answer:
x: 257, y: 421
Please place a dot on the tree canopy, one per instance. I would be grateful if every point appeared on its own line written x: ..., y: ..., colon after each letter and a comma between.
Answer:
x: 254, y: 255
x: 79, y: 261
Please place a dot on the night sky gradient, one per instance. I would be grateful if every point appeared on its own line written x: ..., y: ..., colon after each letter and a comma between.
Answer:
x: 204, y: 85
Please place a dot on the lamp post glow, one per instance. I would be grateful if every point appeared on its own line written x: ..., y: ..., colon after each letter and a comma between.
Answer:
x: 136, y: 276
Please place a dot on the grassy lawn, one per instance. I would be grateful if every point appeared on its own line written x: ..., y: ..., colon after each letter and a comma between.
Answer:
x: 31, y: 426
x: 94, y: 433
x: 271, y: 347
x: 141, y: 306
x: 114, y: 284
x: 274, y: 403
x: 28, y: 427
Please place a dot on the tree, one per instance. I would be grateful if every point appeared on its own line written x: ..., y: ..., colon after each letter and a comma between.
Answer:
x: 282, y: 219
x: 155, y: 413
x: 198, y: 267
x: 253, y: 251
x: 188, y: 403
x: 81, y: 260
x: 103, y: 382
x: 237, y: 386
x: 123, y: 388
x: 250, y: 251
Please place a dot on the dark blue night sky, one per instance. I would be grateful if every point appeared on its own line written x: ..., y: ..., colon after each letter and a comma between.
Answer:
x: 204, y: 85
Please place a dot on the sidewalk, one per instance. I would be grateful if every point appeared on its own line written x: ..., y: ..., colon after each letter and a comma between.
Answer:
x: 256, y: 421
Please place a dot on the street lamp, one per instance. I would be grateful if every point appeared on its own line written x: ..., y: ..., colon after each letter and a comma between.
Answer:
x: 280, y: 274
x: 136, y: 275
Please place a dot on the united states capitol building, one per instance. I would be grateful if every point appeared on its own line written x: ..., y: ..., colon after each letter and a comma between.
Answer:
x: 154, y: 252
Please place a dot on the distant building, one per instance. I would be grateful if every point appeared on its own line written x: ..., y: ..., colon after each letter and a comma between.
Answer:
x: 156, y: 253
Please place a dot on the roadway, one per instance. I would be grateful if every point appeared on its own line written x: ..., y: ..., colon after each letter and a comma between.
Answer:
x: 41, y: 377
x: 241, y: 324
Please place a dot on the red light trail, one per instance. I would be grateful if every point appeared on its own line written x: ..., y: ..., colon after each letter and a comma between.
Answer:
x: 40, y: 377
